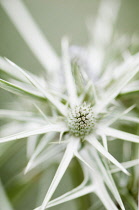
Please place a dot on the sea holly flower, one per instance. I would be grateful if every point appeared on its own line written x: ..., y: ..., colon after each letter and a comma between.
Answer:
x: 81, y: 120
x: 82, y: 110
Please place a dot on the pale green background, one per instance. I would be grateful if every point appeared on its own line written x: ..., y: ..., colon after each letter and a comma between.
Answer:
x: 56, y: 18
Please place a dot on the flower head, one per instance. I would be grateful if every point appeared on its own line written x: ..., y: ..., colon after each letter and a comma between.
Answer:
x: 81, y: 120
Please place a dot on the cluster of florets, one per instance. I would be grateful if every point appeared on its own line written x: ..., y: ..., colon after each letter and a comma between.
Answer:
x: 81, y: 120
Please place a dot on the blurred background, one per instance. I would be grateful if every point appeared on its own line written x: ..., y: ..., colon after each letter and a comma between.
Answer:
x: 59, y: 18
x: 55, y: 19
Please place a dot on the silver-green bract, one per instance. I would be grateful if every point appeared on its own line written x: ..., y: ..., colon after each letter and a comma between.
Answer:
x: 94, y: 87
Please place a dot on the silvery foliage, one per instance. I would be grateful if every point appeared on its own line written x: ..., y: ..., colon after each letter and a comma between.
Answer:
x: 87, y: 110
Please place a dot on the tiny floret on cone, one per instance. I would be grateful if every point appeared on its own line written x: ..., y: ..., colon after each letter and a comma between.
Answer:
x: 81, y: 120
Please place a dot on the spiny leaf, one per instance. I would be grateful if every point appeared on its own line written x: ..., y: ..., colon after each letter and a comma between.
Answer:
x: 108, y: 179
x: 37, y: 84
x: 121, y: 135
x: 20, y: 91
x: 7, y: 68
x: 119, y: 115
x: 26, y: 26
x: 116, y: 88
x: 73, y: 195
x: 20, y: 115
x: 44, y: 129
x: 49, y: 155
x: 68, y: 155
x: 31, y: 144
x: 70, y: 83
x: 93, y: 141
x: 103, y: 195
x: 44, y: 141
x: 130, y: 119
x: 131, y: 88
x: 127, y: 164
x: 84, y: 161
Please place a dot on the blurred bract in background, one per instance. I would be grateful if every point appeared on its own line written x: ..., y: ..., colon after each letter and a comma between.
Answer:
x: 69, y: 104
